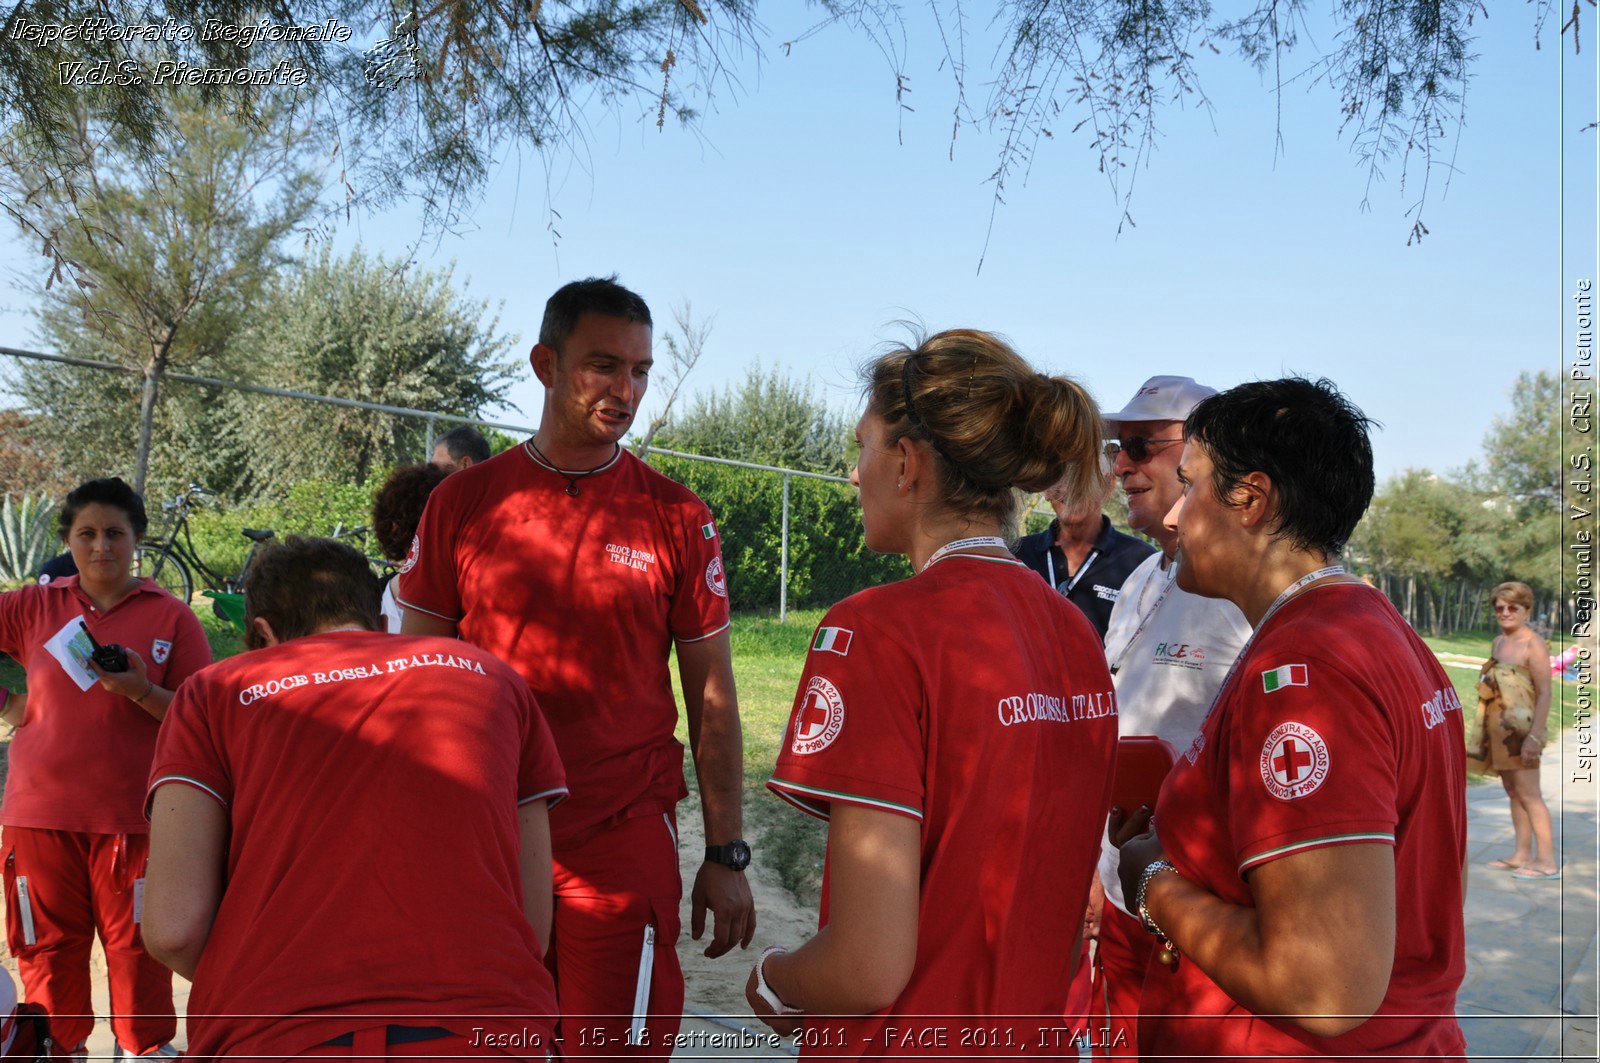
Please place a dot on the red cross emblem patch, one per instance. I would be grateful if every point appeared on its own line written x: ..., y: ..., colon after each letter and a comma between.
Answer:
x: 819, y: 717
x: 1294, y: 761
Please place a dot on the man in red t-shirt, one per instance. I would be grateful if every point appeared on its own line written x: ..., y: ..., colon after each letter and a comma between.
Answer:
x: 583, y: 568
x: 350, y: 844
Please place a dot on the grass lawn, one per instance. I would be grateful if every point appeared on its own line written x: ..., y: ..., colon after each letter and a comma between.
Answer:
x: 768, y: 657
x: 1563, y: 695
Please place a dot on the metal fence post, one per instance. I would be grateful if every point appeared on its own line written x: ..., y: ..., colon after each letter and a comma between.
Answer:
x: 783, y: 558
x: 433, y: 424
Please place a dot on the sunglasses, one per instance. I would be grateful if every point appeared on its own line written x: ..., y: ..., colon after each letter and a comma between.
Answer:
x: 1138, y: 448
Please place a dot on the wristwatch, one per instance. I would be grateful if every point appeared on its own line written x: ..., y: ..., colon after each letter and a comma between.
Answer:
x: 736, y: 854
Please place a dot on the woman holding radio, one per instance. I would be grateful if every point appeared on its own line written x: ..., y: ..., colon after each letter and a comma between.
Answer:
x: 75, y: 838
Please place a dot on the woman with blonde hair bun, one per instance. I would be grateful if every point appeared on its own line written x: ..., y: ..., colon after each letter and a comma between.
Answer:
x: 957, y: 729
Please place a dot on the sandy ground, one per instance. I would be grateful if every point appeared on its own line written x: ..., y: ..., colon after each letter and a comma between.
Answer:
x: 716, y: 987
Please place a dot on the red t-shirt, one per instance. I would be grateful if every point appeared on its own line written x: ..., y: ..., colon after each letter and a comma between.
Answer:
x: 583, y: 595
x: 372, y: 784
x: 81, y: 757
x: 974, y: 699
x: 1339, y: 728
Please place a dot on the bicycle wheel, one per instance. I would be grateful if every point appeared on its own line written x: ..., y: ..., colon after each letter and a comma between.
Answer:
x: 166, y: 569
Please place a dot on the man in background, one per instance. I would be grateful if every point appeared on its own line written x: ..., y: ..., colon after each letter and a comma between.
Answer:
x: 1169, y: 652
x: 1082, y: 555
x: 460, y: 448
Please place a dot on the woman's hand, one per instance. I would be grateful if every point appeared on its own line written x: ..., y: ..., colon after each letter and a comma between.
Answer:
x: 787, y: 1025
x: 1135, y: 838
x: 1532, y: 750
x: 134, y: 684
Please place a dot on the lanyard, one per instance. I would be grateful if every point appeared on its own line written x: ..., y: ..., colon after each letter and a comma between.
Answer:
x: 1288, y: 592
x: 1081, y: 570
x: 964, y: 544
x: 1172, y: 578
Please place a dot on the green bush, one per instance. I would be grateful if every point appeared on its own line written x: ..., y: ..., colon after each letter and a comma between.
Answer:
x: 313, y: 507
x: 828, y: 556
x: 27, y: 536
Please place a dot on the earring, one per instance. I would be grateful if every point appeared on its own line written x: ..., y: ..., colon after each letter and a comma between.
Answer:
x: 899, y: 484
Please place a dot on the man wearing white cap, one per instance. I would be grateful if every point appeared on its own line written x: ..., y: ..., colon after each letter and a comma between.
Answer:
x: 1169, y: 651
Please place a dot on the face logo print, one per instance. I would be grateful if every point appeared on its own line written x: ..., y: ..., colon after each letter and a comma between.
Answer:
x: 819, y: 719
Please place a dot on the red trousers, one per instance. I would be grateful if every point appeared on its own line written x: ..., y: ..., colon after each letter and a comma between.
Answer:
x: 611, y: 888
x: 62, y: 887
x: 1124, y: 954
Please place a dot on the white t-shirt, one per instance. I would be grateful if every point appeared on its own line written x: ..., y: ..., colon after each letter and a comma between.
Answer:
x: 392, y: 613
x: 1167, y: 676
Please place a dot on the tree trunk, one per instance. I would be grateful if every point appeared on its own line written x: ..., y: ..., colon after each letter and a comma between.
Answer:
x: 147, y: 415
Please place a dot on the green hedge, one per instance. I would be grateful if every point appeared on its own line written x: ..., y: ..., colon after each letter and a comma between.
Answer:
x: 828, y: 557
x: 313, y: 507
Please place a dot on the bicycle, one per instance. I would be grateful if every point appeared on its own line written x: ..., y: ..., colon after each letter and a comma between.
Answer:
x: 381, y: 567
x: 172, y: 559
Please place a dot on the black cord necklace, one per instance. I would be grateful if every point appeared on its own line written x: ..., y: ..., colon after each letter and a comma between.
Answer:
x: 572, y: 480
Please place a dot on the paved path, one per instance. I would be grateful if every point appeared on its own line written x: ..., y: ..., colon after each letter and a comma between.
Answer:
x: 1530, y: 991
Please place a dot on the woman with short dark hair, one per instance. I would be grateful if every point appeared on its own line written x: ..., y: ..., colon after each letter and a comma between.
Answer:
x: 1306, y: 883
x: 75, y: 837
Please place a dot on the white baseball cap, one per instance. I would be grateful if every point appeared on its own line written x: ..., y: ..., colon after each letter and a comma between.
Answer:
x: 1162, y: 398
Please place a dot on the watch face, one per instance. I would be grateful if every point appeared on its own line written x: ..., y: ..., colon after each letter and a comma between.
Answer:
x: 739, y: 856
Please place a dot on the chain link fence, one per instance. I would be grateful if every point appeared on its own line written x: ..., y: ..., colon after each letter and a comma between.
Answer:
x: 306, y: 463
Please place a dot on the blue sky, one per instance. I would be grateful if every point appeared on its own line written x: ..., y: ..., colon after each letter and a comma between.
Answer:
x: 796, y: 217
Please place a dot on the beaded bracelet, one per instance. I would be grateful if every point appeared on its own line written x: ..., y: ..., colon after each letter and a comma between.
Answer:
x: 1169, y: 952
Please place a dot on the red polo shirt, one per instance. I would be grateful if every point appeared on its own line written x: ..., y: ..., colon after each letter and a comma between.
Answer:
x: 80, y: 760
x: 583, y: 594
x: 372, y: 783
x: 1339, y: 728
x: 974, y: 699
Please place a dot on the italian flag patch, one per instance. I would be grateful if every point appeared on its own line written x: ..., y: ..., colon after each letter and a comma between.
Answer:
x: 833, y: 640
x: 1290, y: 675
x: 708, y: 531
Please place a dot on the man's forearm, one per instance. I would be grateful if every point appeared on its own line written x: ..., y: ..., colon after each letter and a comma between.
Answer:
x: 716, y: 739
x: 719, y: 765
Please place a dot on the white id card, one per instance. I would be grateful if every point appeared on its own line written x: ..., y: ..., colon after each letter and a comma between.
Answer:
x: 70, y: 646
x: 138, y: 901
x: 641, y: 988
